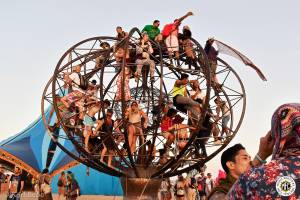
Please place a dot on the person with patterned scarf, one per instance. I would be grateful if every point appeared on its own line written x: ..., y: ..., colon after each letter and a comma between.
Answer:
x: 280, y: 178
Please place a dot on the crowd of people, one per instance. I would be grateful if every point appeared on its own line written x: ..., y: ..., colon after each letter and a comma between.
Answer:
x: 192, y: 187
x: 245, y: 177
x: 102, y: 130
x: 68, y: 187
x: 251, y: 179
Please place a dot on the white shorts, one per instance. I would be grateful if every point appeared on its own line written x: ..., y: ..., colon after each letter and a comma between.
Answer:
x: 172, y: 43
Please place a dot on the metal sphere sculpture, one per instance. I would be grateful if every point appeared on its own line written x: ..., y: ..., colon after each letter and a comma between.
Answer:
x: 115, y: 110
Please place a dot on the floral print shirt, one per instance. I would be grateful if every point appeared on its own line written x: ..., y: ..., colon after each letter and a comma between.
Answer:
x: 260, y: 183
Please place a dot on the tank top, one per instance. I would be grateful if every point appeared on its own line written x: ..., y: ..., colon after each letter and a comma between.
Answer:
x: 134, y: 117
x: 178, y: 90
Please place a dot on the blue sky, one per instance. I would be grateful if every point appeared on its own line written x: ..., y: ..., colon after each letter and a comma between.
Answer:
x: 34, y: 35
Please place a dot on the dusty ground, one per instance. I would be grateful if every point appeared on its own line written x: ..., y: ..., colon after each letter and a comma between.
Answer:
x: 31, y: 196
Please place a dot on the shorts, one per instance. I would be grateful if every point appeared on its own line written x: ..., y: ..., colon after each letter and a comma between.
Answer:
x: 88, y: 121
x: 172, y: 43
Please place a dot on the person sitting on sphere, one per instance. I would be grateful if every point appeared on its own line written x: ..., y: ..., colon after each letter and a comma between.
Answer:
x: 89, y: 119
x: 143, y: 52
x: 120, y: 33
x: 152, y: 30
x: 106, y: 125
x: 170, y: 32
x: 160, y: 41
x: 180, y: 99
x: 135, y: 127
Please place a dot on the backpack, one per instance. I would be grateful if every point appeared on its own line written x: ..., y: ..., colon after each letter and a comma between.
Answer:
x: 168, y: 28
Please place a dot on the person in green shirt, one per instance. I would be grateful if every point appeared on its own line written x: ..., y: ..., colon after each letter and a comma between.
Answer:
x: 152, y: 30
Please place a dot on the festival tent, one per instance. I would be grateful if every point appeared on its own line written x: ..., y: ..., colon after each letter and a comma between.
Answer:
x: 33, y: 150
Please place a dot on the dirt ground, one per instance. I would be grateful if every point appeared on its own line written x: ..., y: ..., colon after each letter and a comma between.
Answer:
x: 32, y: 196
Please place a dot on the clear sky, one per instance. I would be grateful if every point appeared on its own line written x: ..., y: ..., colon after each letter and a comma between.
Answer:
x: 34, y: 35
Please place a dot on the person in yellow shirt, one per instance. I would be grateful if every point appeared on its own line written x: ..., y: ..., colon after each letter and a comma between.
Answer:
x: 181, y: 99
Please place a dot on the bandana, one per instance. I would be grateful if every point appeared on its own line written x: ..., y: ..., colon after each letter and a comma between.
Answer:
x: 286, y: 130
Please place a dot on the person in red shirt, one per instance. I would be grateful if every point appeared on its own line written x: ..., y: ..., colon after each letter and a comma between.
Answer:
x: 172, y: 38
x: 166, y: 123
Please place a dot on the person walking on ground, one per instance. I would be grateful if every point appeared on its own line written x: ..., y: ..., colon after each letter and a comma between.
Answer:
x: 44, y: 187
x: 16, y: 185
x: 61, y: 184
x: 72, y: 189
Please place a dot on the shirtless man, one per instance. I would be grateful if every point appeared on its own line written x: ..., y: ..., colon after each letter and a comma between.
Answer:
x: 88, y: 121
x: 135, y: 128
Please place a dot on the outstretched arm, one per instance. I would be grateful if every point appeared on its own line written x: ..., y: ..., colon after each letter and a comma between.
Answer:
x: 185, y: 16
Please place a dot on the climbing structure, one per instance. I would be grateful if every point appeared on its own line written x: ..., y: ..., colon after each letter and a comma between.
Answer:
x: 108, y: 79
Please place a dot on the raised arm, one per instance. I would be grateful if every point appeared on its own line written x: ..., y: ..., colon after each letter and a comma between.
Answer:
x: 185, y: 16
